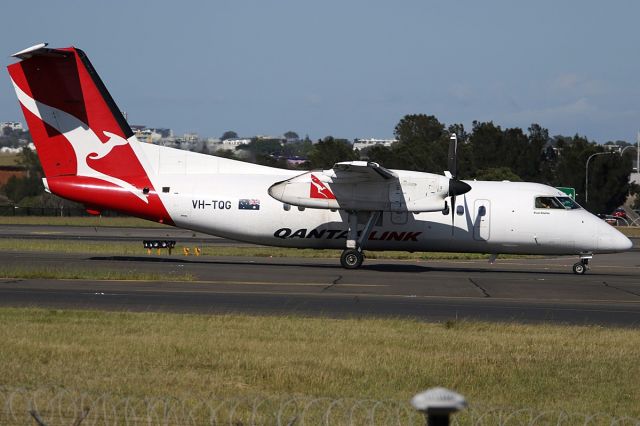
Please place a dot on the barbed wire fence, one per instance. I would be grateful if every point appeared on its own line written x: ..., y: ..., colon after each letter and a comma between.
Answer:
x: 56, y: 406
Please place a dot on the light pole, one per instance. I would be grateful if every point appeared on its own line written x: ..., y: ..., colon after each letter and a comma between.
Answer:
x: 586, y: 174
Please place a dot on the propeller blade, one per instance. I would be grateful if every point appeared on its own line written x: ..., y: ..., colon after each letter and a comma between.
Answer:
x: 452, y: 160
x: 453, y: 214
x: 456, y: 187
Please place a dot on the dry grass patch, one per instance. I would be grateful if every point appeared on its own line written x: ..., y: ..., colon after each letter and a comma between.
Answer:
x: 630, y: 231
x: 9, y: 159
x: 74, y: 273
x: 126, y: 222
x: 593, y: 368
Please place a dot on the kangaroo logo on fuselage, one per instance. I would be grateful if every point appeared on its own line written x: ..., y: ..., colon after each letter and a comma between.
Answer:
x: 84, y: 141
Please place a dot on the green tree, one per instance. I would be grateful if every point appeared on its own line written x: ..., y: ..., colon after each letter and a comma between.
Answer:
x: 229, y: 134
x: 422, y: 145
x: 19, y: 188
x: 498, y: 174
x: 329, y: 151
x: 225, y: 153
x: 291, y: 135
x: 608, y: 174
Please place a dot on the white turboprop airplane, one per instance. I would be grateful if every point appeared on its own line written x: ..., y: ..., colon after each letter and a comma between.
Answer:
x: 90, y: 155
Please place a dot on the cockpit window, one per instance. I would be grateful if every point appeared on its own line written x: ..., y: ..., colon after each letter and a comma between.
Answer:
x: 561, y: 203
x: 548, y: 203
x: 568, y: 203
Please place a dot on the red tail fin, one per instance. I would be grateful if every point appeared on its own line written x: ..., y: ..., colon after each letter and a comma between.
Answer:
x: 82, y: 139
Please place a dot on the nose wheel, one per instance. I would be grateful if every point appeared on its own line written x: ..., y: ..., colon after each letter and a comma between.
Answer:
x: 581, y: 267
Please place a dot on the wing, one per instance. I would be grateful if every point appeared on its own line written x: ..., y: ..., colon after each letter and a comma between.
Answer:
x: 364, y: 171
x: 363, y: 186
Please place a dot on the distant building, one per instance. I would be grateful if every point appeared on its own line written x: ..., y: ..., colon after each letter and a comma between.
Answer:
x: 150, y: 134
x: 13, y: 125
x: 147, y: 136
x: 612, y: 147
x: 296, y: 161
x: 361, y: 144
x: 233, y: 143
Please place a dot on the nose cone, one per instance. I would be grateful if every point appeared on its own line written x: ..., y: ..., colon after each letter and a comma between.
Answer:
x: 458, y: 187
x: 277, y: 190
x: 613, y: 240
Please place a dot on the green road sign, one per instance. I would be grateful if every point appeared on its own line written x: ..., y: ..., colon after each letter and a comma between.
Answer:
x: 571, y: 192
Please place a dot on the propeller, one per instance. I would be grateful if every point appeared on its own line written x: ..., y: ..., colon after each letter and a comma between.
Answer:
x: 456, y: 187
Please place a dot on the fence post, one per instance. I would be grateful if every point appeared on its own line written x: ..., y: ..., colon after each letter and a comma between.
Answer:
x: 437, y: 404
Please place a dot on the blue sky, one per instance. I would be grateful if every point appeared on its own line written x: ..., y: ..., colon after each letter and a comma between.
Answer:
x: 349, y: 68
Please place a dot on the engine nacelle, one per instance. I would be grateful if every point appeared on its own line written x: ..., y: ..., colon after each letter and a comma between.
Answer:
x: 416, y: 192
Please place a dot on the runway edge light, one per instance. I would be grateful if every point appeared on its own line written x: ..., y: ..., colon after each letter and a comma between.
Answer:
x: 437, y: 404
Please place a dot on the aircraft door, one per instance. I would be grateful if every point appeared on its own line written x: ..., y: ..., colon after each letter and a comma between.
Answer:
x: 180, y: 204
x: 398, y: 203
x: 482, y: 220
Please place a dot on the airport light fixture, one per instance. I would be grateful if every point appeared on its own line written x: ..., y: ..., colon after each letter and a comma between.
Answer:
x: 637, y: 148
x: 437, y: 404
x: 586, y: 174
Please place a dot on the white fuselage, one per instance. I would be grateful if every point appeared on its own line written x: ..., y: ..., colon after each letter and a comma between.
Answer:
x: 205, y: 193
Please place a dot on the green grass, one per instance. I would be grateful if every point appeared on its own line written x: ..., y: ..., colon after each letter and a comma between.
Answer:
x: 71, y: 273
x: 90, y: 221
x: 580, y: 369
x: 135, y: 248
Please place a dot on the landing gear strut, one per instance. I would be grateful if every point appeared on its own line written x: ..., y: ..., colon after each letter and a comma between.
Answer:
x: 352, y: 256
x: 581, y: 267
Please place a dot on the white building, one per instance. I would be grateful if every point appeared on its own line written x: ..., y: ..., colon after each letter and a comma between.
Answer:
x: 233, y: 143
x: 13, y: 125
x: 361, y: 144
x: 148, y: 135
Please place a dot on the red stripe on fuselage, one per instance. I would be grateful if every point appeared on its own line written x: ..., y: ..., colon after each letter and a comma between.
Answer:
x: 102, y: 195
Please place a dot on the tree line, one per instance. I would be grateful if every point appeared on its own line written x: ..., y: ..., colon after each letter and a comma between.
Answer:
x: 489, y: 152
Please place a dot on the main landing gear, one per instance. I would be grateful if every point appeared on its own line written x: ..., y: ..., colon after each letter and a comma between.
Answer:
x: 352, y: 257
x: 581, y: 267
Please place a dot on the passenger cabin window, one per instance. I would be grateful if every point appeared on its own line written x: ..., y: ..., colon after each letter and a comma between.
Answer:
x: 559, y: 203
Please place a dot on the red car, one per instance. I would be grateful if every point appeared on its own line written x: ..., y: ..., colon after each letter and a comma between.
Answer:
x: 619, y: 212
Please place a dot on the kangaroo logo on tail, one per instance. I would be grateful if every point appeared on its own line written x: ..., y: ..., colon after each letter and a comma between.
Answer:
x: 83, y: 140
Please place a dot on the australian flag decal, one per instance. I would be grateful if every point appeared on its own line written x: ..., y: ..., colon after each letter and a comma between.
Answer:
x: 247, y: 204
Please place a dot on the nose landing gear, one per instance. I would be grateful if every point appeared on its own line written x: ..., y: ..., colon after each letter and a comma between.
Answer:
x: 581, y: 267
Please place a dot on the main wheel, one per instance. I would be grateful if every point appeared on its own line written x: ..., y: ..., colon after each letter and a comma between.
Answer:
x: 579, y: 268
x: 351, y: 259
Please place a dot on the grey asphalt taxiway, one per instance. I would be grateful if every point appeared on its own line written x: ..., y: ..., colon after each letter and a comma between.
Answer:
x: 527, y: 290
